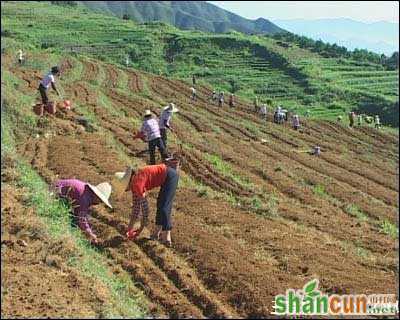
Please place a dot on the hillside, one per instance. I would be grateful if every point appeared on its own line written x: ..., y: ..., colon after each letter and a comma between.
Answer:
x: 297, y: 78
x: 254, y: 214
x: 186, y: 15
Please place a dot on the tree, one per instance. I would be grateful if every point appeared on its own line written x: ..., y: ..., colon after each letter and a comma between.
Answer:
x: 65, y: 3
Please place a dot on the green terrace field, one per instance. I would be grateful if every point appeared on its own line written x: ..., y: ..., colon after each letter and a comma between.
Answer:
x: 248, y: 65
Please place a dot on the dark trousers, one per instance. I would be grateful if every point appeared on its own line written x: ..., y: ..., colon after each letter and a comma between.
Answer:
x: 165, y: 199
x: 152, y: 149
x: 43, y: 93
x: 164, y: 136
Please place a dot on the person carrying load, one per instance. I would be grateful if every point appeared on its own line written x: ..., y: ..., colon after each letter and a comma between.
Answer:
x: 139, y: 182
x: 150, y: 132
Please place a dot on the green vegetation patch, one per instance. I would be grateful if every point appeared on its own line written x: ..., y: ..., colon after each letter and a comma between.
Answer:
x: 390, y: 229
x: 356, y: 212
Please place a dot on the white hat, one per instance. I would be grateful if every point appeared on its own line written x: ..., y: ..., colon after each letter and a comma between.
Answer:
x: 171, y: 107
x: 125, y: 176
x: 103, y: 191
x: 147, y: 113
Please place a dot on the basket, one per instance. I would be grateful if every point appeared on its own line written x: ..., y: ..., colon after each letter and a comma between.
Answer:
x: 51, y: 107
x: 38, y: 109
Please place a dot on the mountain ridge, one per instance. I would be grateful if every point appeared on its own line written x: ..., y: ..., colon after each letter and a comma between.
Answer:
x: 198, y: 15
x: 379, y: 36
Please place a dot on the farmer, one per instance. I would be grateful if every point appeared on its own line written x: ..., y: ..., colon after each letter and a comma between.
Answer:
x: 377, y: 122
x: 256, y: 104
x: 221, y: 99
x: 151, y: 131
x: 352, y: 117
x: 359, y: 118
x: 139, y: 182
x: 231, y: 100
x: 193, y: 97
x: 164, y: 121
x: 339, y: 119
x: 279, y: 116
x: 20, y: 57
x: 82, y: 195
x: 296, y: 122
x: 263, y: 111
x: 214, y: 96
x: 316, y: 151
x: 46, y: 82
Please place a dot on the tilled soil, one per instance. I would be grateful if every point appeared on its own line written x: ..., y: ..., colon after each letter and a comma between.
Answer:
x: 230, y: 261
x: 35, y: 278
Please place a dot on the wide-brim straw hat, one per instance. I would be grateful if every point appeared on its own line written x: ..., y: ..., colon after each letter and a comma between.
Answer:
x: 124, y: 177
x: 171, y: 108
x: 103, y: 191
x: 147, y: 113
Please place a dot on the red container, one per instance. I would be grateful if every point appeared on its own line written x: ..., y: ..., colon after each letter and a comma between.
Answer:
x: 67, y: 104
x: 51, y: 107
x: 38, y: 109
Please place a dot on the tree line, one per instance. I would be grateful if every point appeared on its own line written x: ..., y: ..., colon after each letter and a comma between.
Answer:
x: 335, y: 51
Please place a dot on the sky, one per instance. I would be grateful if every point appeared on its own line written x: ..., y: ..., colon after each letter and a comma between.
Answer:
x: 365, y: 11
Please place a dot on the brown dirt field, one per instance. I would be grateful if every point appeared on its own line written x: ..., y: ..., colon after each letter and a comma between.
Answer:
x: 90, y: 70
x: 135, y: 81
x: 111, y: 76
x: 35, y: 278
x: 230, y: 261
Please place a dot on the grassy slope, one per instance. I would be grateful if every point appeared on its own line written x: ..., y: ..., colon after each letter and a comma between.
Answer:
x: 297, y: 78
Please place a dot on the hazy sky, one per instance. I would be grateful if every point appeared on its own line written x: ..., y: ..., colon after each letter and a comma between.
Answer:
x: 366, y: 11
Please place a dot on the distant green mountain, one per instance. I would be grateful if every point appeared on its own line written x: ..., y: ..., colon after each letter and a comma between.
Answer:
x: 198, y: 15
x: 379, y: 37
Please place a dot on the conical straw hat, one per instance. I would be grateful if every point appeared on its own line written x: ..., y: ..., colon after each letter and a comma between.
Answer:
x: 103, y: 191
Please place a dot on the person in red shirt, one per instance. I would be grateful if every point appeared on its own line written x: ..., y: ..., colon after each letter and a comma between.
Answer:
x: 163, y: 175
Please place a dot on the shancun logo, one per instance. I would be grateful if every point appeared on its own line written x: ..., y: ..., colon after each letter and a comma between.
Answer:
x: 310, y: 301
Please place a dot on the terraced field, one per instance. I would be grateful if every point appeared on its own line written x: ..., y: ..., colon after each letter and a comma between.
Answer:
x: 371, y: 78
x: 297, y: 78
x: 252, y: 218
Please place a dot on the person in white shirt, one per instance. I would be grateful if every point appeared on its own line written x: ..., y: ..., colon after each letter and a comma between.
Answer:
x: 164, y: 122
x: 48, y: 81
x: 193, y: 93
x: 20, y: 56
x: 377, y: 122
